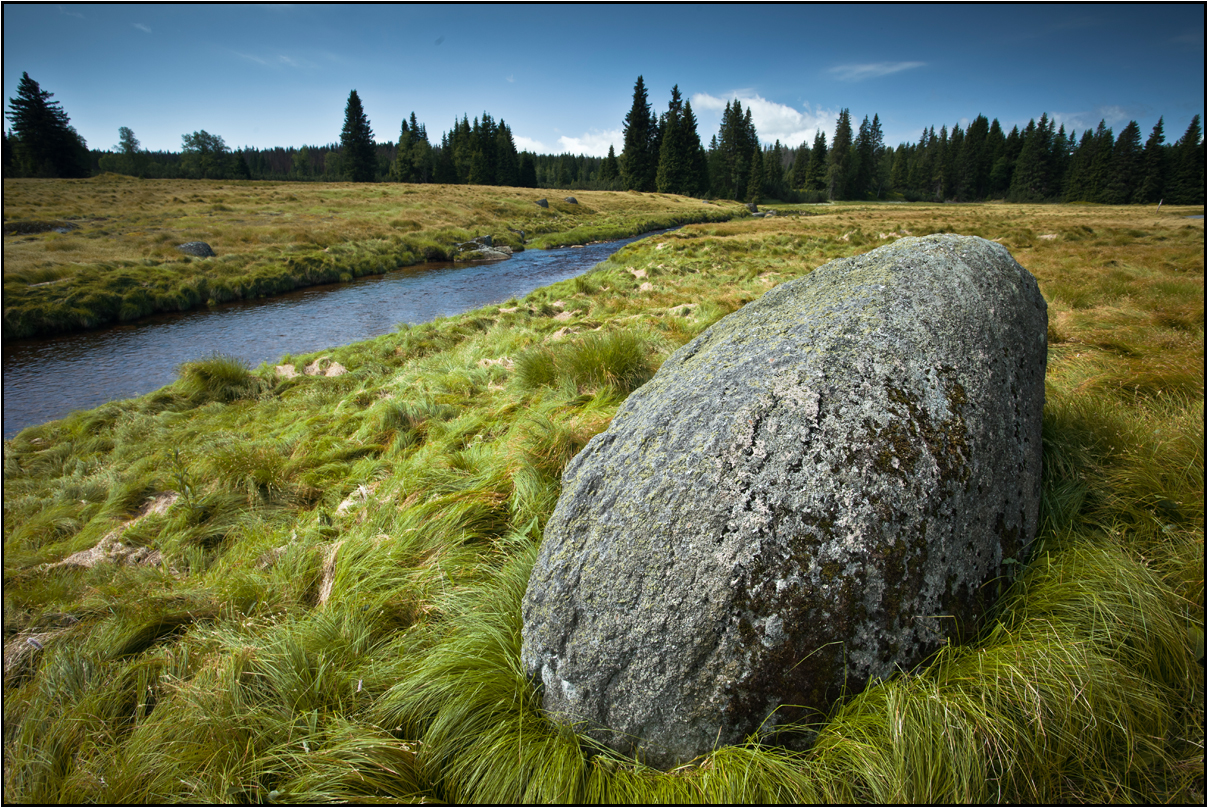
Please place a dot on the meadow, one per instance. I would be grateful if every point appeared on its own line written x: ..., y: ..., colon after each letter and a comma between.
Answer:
x: 251, y: 588
x: 80, y: 254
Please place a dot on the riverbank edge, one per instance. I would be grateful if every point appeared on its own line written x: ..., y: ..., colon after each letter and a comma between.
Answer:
x: 85, y: 301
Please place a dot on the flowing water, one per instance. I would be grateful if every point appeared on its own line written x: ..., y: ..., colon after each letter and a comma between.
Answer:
x: 48, y: 378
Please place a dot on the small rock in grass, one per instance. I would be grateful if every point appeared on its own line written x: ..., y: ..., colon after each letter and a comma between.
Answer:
x: 197, y: 248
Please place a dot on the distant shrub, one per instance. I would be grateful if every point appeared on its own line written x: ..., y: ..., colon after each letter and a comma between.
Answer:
x: 535, y: 368
x: 219, y: 377
x: 618, y: 360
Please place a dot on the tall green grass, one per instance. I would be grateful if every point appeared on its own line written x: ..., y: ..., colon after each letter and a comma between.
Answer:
x: 334, y: 615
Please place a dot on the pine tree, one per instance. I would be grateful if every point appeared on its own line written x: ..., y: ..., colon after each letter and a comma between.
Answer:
x: 358, y: 158
x: 838, y: 169
x: 44, y: 142
x: 639, y: 158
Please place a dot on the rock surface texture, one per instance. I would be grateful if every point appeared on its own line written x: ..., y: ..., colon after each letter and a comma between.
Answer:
x: 816, y: 492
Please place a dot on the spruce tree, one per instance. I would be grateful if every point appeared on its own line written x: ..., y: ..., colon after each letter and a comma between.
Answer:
x: 799, y: 173
x: 880, y: 171
x: 639, y: 158
x: 1077, y: 176
x: 773, y: 172
x: 920, y: 167
x: 698, y: 161
x: 1154, y: 162
x: 1099, y: 168
x: 863, y: 162
x: 949, y: 164
x: 44, y: 142
x: 507, y: 165
x: 899, y: 173
x: 973, y: 167
x: 610, y: 170
x: 839, y: 160
x: 682, y: 166
x: 1126, y: 166
x: 1187, y: 170
x: 816, y: 174
x: 358, y: 158
x: 755, y: 174
x: 671, y: 176
x: 527, y: 171
x: 401, y: 168
x: 718, y: 174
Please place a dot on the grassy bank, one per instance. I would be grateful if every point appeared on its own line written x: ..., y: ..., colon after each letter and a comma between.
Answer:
x: 251, y: 588
x: 84, y: 253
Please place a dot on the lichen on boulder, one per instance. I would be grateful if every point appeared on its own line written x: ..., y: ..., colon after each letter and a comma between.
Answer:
x: 815, y: 493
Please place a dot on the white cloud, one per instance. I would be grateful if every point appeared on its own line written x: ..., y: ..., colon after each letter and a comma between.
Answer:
x: 871, y: 70
x: 593, y: 144
x: 142, y: 27
x: 285, y: 60
x: 70, y: 13
x: 528, y: 144
x: 773, y: 120
x: 511, y: 79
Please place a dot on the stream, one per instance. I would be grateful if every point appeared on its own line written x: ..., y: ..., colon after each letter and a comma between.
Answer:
x: 47, y: 378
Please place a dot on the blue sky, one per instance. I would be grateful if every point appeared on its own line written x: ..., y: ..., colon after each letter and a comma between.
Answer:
x: 562, y: 76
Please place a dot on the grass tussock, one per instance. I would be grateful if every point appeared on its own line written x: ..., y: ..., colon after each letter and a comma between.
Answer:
x: 324, y: 606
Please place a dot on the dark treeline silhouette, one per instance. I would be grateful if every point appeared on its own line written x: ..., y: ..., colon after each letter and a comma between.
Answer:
x: 663, y: 152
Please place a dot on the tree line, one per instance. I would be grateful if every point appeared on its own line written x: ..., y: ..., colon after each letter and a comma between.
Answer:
x: 663, y: 152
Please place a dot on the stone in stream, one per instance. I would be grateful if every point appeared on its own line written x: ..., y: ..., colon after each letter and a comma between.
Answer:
x: 815, y: 493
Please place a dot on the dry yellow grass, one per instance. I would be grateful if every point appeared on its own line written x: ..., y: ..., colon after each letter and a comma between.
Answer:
x: 127, y: 219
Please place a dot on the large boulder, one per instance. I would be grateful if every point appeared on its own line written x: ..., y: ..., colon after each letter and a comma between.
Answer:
x: 816, y: 492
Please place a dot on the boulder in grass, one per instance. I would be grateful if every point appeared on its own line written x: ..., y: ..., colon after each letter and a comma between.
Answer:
x: 817, y: 492
x: 197, y: 248
x: 543, y: 203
